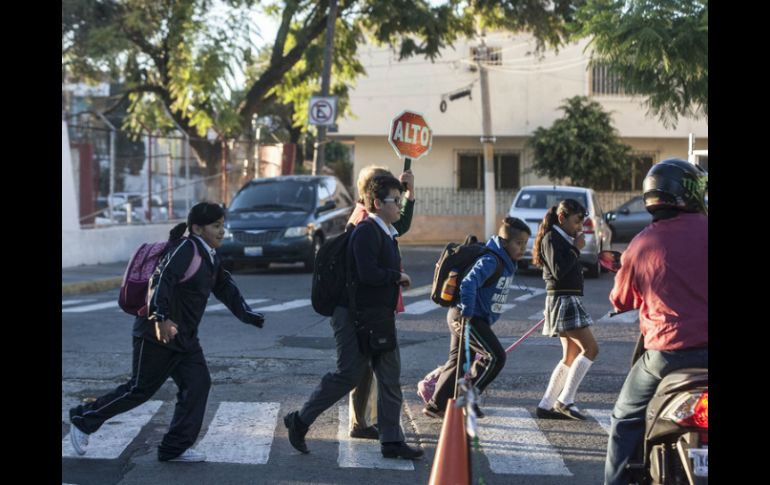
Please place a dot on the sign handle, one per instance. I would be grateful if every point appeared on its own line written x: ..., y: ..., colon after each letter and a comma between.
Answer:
x: 407, y: 166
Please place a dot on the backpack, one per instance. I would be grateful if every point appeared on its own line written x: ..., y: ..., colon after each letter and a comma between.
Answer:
x: 135, y: 288
x: 453, y: 264
x: 330, y: 272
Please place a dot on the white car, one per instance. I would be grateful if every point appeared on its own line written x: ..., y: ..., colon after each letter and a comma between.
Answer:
x: 533, y: 201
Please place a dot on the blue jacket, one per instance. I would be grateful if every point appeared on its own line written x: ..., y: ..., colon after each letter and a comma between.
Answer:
x: 486, y: 303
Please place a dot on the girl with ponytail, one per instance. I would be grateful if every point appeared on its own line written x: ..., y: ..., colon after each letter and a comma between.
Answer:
x: 557, y: 250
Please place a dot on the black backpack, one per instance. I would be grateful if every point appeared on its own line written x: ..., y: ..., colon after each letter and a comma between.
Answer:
x: 460, y: 258
x: 330, y: 272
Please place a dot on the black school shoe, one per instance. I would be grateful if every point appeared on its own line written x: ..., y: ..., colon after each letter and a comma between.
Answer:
x: 297, y: 431
x: 549, y: 414
x: 569, y: 410
x: 400, y: 449
x: 369, y: 433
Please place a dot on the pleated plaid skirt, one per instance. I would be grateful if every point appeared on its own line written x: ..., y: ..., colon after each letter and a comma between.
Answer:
x: 564, y: 313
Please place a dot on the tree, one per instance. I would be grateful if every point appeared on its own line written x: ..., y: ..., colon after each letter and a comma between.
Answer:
x: 174, y: 59
x: 659, y: 49
x: 582, y: 146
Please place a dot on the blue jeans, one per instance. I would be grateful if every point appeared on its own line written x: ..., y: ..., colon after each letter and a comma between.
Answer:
x: 627, y: 423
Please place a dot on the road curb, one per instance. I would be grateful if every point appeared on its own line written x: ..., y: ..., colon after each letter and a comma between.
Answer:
x: 90, y: 286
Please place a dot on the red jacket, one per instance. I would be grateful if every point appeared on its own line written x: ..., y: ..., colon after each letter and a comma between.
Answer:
x: 664, y: 273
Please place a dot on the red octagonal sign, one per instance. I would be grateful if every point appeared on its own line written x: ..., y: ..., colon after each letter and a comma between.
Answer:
x: 410, y: 135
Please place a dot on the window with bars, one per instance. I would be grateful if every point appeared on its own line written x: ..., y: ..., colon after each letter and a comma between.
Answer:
x: 605, y: 83
x: 471, y: 171
x: 494, y: 55
x: 632, y: 180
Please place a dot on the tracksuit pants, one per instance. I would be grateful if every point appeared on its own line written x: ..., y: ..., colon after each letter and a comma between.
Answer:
x: 152, y: 364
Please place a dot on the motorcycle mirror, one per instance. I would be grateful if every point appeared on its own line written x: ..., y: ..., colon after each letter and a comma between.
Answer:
x: 610, y: 260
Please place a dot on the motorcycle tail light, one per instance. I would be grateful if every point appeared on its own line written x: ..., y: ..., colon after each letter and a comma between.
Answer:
x: 588, y: 226
x: 690, y: 410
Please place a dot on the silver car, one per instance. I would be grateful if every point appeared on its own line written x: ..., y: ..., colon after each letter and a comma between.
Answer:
x: 533, y: 201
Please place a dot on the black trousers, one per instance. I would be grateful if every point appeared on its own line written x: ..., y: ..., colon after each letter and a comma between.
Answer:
x: 152, y: 364
x: 483, y: 341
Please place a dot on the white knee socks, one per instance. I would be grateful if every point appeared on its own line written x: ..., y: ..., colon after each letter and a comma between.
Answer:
x: 555, y: 385
x: 577, y: 371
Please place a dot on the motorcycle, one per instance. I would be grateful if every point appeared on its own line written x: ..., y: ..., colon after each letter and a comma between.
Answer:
x: 675, y: 447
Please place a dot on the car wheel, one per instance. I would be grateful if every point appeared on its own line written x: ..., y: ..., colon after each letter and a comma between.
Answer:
x: 310, y: 262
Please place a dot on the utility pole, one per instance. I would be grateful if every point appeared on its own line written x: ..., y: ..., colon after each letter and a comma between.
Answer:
x: 320, y: 142
x: 482, y: 54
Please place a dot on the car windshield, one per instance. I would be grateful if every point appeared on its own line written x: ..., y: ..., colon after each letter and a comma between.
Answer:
x: 545, y: 199
x: 284, y: 195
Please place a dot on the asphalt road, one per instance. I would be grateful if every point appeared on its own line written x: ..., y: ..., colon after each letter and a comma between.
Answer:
x: 261, y: 374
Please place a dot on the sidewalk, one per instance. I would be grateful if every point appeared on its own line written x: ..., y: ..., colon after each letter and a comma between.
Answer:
x: 91, y: 278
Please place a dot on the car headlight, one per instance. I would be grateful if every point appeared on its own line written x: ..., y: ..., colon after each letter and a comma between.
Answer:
x: 298, y: 231
x: 228, y: 234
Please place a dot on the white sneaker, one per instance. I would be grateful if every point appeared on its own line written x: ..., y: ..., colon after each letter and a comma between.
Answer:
x: 79, y: 440
x: 190, y: 455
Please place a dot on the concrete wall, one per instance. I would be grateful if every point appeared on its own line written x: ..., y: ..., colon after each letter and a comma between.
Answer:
x: 109, y: 244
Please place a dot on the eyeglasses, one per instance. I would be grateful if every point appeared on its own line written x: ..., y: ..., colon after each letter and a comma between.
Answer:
x: 395, y: 200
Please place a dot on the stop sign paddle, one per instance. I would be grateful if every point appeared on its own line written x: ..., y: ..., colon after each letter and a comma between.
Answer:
x: 410, y: 137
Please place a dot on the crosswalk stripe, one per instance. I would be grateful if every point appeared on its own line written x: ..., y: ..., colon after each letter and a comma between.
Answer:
x: 602, y: 416
x: 418, y: 291
x: 529, y: 296
x: 88, y: 308
x: 284, y: 306
x: 221, y: 306
x: 363, y: 453
x: 626, y: 317
x: 420, y: 307
x: 74, y: 302
x: 513, y: 444
x: 241, y: 432
x: 115, y: 434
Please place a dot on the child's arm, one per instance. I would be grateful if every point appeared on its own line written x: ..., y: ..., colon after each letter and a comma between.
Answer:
x: 563, y: 260
x: 229, y: 294
x: 474, y: 279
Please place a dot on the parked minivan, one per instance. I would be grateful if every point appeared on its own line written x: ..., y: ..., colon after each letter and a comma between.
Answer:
x: 284, y: 219
x: 533, y: 201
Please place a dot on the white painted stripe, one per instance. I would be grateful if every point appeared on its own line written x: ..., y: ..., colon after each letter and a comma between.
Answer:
x: 418, y: 291
x: 363, y: 453
x: 115, y: 434
x: 88, y: 308
x: 221, y: 306
x: 284, y: 306
x: 514, y: 444
x: 420, y: 307
x: 536, y: 316
x: 626, y: 317
x: 535, y: 292
x: 74, y: 302
x: 507, y: 307
x: 241, y: 432
x: 602, y: 416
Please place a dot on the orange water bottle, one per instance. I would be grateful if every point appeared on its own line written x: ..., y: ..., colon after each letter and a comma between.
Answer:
x: 450, y: 286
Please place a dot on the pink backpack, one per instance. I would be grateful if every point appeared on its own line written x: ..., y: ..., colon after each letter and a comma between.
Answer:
x: 134, y: 290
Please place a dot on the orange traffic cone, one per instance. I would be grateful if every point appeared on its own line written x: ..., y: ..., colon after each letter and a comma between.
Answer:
x: 452, y: 466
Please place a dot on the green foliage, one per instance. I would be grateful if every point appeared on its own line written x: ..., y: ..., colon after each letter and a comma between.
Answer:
x: 337, y: 156
x: 582, y: 146
x: 658, y: 47
x: 185, y: 57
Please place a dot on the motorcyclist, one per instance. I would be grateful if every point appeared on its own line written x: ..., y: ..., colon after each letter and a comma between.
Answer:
x: 664, y: 273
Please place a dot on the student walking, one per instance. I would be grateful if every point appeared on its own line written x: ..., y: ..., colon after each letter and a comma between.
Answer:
x: 363, y: 399
x: 165, y: 343
x: 480, y: 307
x: 373, y: 251
x: 557, y: 249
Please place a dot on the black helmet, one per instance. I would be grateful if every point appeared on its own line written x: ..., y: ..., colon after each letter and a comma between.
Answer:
x: 675, y: 184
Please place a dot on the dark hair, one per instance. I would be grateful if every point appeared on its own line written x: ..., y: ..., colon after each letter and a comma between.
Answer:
x: 567, y: 207
x: 379, y: 187
x: 201, y: 214
x: 512, y: 226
